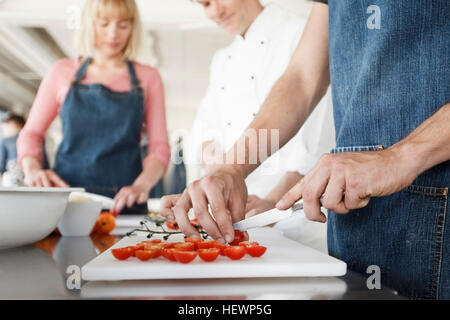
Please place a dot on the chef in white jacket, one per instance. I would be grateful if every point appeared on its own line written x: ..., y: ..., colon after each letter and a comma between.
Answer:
x: 241, y: 77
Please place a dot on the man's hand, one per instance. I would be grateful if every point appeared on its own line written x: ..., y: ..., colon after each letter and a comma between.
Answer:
x: 347, y: 181
x: 257, y: 205
x: 223, y: 190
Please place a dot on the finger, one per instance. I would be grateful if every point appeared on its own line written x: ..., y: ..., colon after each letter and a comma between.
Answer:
x: 180, y: 211
x: 332, y: 198
x: 200, y: 206
x: 251, y: 213
x: 119, y: 203
x: 220, y: 212
x: 45, y: 181
x: 166, y: 205
x: 311, y: 194
x: 355, y: 197
x: 291, y: 196
x: 142, y: 198
x: 131, y: 199
x: 56, y: 180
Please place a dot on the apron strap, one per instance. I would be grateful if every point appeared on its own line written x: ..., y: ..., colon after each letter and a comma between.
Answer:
x: 133, y: 78
x: 82, y: 70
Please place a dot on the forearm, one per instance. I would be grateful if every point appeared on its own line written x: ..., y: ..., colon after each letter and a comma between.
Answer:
x: 428, y: 145
x: 153, y: 171
x: 30, y: 164
x: 285, y: 184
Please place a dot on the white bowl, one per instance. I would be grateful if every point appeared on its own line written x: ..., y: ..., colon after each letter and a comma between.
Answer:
x: 79, y: 218
x: 28, y: 214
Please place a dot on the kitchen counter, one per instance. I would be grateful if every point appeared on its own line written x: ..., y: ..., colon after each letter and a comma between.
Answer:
x: 50, y: 269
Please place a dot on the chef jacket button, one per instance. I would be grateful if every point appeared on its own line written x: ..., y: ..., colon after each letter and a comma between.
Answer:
x: 229, y: 123
x: 252, y: 77
x: 254, y: 114
x: 229, y: 56
x: 222, y: 88
x: 262, y: 42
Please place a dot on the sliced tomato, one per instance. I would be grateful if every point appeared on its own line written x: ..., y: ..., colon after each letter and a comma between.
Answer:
x: 248, y: 243
x: 234, y: 253
x: 255, y: 250
x: 206, y: 244
x: 168, y: 254
x: 184, y: 256
x: 221, y: 247
x: 172, y: 224
x: 208, y: 255
x: 238, y: 237
x: 145, y: 255
x: 185, y: 246
x: 122, y: 253
x: 152, y: 241
x: 167, y: 244
x: 195, y: 241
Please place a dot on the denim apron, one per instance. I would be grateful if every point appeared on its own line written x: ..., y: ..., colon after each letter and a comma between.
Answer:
x: 101, y: 131
x: 390, y: 71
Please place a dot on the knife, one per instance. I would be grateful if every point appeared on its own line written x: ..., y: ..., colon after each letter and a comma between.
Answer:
x: 268, y: 217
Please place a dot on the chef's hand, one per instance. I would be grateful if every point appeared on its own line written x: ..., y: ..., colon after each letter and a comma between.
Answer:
x: 166, y: 205
x: 129, y: 195
x: 224, y: 191
x: 44, y: 178
x: 257, y: 205
x: 360, y: 175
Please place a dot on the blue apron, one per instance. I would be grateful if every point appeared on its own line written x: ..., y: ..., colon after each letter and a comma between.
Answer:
x: 390, y: 71
x: 101, y: 132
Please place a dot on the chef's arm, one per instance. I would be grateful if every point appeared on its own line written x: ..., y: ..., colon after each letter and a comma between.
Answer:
x: 428, y: 145
x: 210, y: 153
x: 153, y: 171
x: 295, y: 94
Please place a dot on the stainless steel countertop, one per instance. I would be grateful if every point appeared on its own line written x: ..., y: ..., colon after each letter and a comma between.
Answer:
x: 41, y: 271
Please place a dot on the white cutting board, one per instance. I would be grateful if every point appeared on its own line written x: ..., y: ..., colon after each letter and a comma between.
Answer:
x: 283, y: 258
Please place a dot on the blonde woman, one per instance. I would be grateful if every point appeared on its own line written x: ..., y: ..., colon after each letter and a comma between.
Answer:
x: 104, y: 98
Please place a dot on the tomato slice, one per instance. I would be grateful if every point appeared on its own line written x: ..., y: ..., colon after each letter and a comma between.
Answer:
x: 208, y: 255
x: 185, y: 246
x: 152, y: 241
x: 234, y: 253
x: 145, y: 255
x: 248, y: 243
x: 172, y: 224
x: 255, y: 250
x: 184, y: 256
x: 195, y: 241
x: 168, y: 254
x: 206, y: 244
x: 238, y: 237
x: 221, y: 247
x: 122, y: 253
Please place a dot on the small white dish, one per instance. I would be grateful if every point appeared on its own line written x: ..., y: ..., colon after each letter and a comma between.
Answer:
x: 79, y: 218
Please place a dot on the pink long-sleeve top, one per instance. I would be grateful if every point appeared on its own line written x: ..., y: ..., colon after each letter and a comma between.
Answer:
x: 54, y: 88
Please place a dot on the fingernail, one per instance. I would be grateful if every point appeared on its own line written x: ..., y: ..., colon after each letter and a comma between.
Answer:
x: 220, y: 240
x: 194, y: 236
x: 279, y: 203
x: 228, y: 238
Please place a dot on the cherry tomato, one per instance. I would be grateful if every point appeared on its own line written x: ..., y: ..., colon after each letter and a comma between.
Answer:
x: 221, y: 247
x: 105, y: 223
x: 206, y: 244
x: 195, y: 241
x: 145, y: 255
x: 152, y: 241
x: 196, y: 223
x: 122, y: 253
x: 172, y: 224
x: 248, y: 243
x: 113, y: 213
x: 168, y: 254
x: 238, y: 237
x: 234, y: 253
x: 185, y: 246
x: 184, y: 256
x: 255, y: 250
x: 208, y: 255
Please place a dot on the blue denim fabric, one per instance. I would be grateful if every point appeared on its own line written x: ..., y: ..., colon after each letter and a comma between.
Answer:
x: 385, y: 83
x: 101, y: 133
x: 8, y: 152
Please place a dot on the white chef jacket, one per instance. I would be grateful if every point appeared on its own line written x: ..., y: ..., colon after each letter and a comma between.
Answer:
x: 241, y: 77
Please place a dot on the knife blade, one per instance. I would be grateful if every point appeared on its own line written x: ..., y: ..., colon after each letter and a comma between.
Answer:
x: 268, y: 217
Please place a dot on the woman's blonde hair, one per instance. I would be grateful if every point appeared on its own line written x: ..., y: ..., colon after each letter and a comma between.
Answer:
x: 85, y: 38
